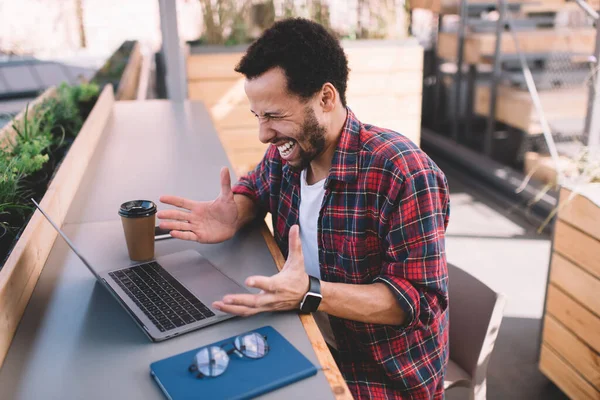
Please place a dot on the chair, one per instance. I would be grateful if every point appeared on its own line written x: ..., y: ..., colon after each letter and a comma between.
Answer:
x: 475, y: 315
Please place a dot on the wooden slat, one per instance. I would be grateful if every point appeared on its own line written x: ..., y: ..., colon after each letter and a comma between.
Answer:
x: 400, y: 83
x: 515, y: 107
x: 24, y: 266
x: 578, y: 247
x: 450, y: 6
x: 377, y: 57
x: 479, y: 46
x: 576, y: 282
x: 361, y: 58
x: 129, y: 82
x: 541, y: 167
x: 234, y: 117
x: 433, y: 5
x: 330, y: 368
x: 372, y: 109
x: 212, y: 91
x: 7, y: 133
x: 583, y: 359
x: 563, y: 375
x: 448, y: 47
x: 546, y: 7
x: 581, y: 213
x: 575, y: 317
x: 213, y: 66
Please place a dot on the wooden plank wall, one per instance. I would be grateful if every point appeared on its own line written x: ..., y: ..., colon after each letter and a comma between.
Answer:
x: 385, y: 86
x: 23, y: 267
x: 384, y: 89
x: 570, y: 353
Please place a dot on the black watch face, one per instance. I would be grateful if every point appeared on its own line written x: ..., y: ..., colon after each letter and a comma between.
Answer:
x: 311, y: 303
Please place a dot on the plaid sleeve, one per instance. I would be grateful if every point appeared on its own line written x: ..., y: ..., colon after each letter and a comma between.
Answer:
x: 414, y: 265
x: 255, y: 184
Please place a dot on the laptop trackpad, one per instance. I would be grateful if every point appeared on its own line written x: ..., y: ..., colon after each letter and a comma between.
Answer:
x: 199, y: 276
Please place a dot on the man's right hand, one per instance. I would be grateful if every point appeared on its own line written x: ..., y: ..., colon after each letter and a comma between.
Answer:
x: 202, y: 221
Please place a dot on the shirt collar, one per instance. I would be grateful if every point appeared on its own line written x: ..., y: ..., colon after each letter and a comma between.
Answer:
x: 344, y: 166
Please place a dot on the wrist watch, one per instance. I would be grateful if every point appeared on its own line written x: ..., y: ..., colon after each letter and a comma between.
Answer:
x: 312, y: 298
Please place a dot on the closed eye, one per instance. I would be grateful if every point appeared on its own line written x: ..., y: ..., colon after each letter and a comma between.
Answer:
x: 267, y: 116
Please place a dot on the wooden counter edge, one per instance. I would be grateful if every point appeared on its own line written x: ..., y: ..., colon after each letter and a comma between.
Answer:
x: 330, y: 368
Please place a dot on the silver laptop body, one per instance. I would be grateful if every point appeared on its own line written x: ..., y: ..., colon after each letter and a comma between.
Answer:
x: 192, y: 285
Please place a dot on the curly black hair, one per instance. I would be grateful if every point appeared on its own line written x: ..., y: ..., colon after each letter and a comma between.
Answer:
x: 305, y: 50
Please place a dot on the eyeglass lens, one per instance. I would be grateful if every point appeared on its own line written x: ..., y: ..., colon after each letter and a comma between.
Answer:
x: 212, y: 361
x: 252, y: 345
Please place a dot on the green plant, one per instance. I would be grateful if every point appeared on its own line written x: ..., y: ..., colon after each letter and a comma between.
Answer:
x: 32, y: 139
x: 38, y: 138
x: 29, y: 127
x: 224, y: 21
x: 11, y: 189
x: 28, y: 156
x: 64, y: 113
x: 85, y: 92
x: 319, y: 12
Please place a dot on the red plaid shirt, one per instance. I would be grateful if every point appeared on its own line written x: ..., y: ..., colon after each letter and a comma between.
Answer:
x: 383, y: 219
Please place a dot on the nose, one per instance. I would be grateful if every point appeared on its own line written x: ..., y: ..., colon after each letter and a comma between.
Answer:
x: 265, y: 133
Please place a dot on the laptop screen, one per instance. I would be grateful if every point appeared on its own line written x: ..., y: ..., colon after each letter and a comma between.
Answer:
x: 71, y: 245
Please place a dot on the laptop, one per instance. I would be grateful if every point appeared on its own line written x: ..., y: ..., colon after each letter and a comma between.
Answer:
x: 168, y: 296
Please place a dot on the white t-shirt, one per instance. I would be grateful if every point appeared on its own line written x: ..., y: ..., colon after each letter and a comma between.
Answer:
x: 311, y: 198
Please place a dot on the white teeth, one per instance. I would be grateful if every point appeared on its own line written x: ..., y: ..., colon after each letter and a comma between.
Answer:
x: 286, y: 149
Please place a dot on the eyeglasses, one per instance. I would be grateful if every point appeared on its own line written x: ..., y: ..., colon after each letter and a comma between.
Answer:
x: 212, y: 361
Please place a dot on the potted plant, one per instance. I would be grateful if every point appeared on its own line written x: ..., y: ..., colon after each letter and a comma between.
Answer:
x: 29, y: 158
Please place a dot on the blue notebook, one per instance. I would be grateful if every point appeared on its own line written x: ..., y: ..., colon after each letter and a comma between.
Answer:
x: 244, y: 378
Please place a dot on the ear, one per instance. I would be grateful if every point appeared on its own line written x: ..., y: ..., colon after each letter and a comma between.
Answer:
x: 329, y: 96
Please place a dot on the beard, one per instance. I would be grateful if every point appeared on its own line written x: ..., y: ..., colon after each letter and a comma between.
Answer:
x: 313, y: 140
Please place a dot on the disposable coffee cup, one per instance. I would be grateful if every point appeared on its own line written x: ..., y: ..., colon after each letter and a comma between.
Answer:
x: 138, y: 218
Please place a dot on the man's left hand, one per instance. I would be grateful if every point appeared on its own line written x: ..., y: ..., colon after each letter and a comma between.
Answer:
x: 283, y: 291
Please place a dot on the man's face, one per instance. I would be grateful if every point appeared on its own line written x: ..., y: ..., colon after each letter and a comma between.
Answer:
x: 285, y: 120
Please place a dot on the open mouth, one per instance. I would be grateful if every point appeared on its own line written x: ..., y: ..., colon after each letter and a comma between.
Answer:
x: 287, y: 149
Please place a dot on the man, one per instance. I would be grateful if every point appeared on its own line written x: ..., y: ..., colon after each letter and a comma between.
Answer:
x: 358, y: 209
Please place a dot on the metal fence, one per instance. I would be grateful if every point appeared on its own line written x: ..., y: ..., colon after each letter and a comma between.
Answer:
x: 569, y: 78
x: 526, y: 54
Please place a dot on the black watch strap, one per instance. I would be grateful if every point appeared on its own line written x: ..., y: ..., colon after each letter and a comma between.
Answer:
x: 315, y: 285
x: 313, y: 297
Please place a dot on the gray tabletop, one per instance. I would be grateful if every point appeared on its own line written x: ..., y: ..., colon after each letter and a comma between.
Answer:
x: 74, y: 341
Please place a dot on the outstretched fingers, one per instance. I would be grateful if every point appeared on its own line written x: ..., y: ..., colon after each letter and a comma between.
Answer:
x: 176, y: 225
x: 186, y: 235
x: 175, y: 215
x: 178, y: 202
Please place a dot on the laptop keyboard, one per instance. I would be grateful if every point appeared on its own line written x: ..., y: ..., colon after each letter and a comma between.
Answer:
x: 161, y: 297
